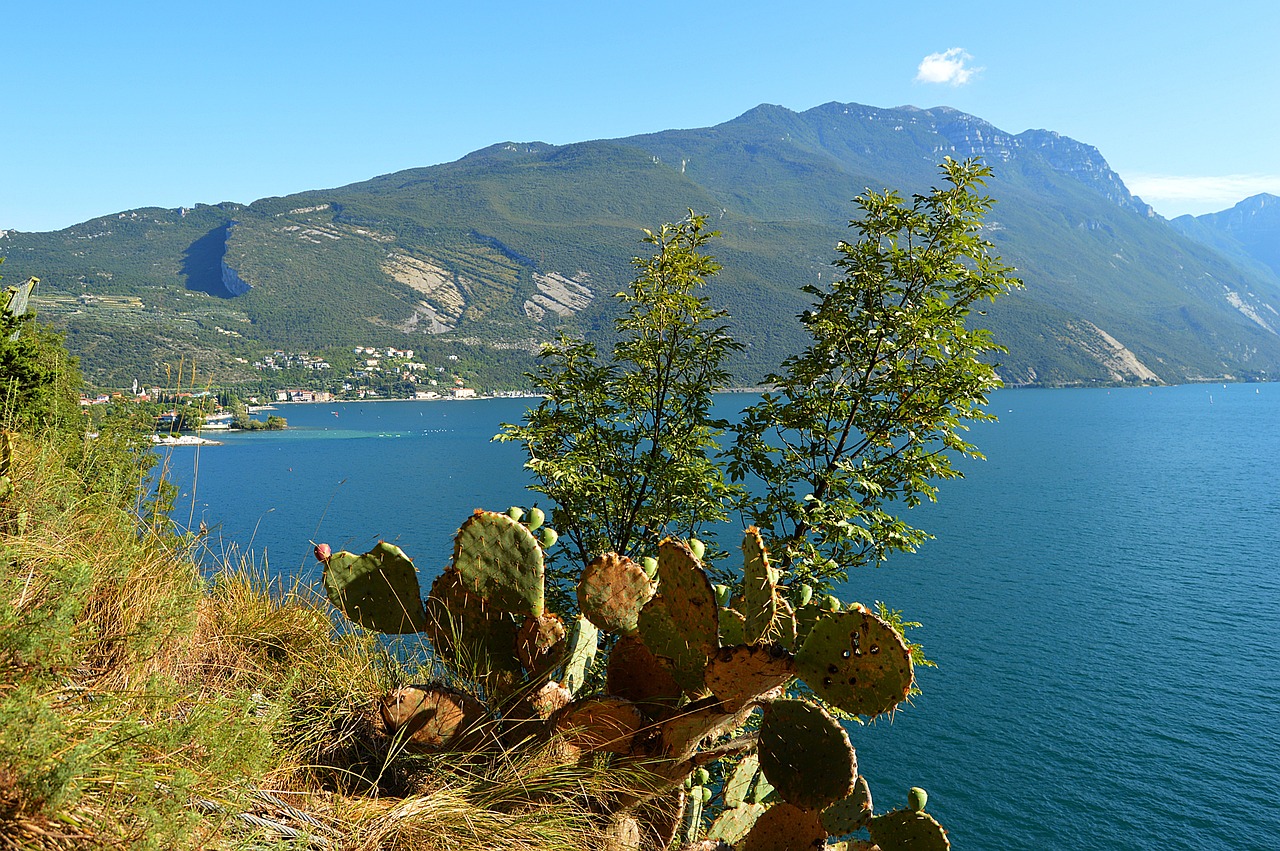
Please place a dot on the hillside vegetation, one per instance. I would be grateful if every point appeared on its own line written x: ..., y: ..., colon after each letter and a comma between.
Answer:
x: 487, y: 257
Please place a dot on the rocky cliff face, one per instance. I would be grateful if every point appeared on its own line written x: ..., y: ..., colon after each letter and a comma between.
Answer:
x: 1084, y: 163
x: 233, y: 282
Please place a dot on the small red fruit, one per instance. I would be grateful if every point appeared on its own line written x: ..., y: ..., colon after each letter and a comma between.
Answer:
x: 322, y: 552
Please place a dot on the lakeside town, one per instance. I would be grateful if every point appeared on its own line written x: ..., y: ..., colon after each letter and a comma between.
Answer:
x: 385, y: 373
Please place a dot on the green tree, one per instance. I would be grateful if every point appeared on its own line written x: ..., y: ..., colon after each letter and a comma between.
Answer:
x: 624, y: 446
x: 39, y: 382
x: 868, y: 418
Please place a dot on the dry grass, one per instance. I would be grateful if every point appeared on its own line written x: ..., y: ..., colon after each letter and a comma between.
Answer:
x: 143, y: 705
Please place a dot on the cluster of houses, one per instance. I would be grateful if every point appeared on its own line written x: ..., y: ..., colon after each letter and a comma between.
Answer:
x: 280, y: 360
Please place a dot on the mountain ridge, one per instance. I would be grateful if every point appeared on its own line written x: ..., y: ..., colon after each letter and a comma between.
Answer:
x: 487, y: 256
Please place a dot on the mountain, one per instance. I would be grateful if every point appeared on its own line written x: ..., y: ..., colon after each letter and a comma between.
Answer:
x: 1248, y: 233
x: 484, y: 258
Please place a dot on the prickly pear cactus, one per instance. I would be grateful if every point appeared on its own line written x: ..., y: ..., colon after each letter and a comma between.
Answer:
x: 759, y: 597
x: 612, y: 592
x: 908, y: 830
x: 583, y: 641
x: 738, y: 787
x: 430, y: 718
x: 501, y: 561
x: 540, y: 644
x: 849, y: 813
x: 743, y: 673
x: 636, y: 674
x: 680, y: 624
x: 785, y: 827
x: 600, y: 724
x: 460, y: 624
x: 856, y: 661
x: 378, y: 590
x: 806, y: 754
x: 735, y: 822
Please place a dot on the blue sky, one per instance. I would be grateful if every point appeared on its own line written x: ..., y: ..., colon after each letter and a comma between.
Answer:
x: 111, y: 106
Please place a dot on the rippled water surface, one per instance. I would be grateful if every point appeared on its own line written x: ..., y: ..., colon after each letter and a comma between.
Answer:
x: 1103, y: 596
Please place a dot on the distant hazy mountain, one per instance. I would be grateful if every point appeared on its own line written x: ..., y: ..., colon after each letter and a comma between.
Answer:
x: 485, y: 257
x: 1249, y: 232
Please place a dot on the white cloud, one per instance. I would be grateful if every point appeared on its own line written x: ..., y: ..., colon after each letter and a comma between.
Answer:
x: 1173, y: 195
x: 949, y: 66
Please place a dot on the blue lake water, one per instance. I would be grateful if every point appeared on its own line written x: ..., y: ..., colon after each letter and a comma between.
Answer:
x: 1102, y: 596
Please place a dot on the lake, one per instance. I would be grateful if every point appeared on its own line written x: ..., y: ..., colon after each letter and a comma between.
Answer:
x: 1102, y: 596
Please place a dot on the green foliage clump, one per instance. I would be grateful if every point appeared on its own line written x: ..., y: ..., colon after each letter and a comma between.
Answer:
x: 622, y: 445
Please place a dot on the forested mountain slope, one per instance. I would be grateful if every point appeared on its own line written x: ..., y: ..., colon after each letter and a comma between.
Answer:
x: 484, y: 258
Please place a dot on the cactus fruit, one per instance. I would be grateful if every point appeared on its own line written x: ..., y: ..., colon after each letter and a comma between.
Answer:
x: 739, y: 783
x: 500, y: 561
x: 856, y: 661
x: 536, y: 518
x: 612, y: 592
x: 698, y: 548
x: 784, y: 827
x: 723, y: 592
x: 548, y: 537
x: 636, y: 674
x: 759, y: 598
x: 322, y: 552
x: 737, y: 675
x: 378, y: 590
x: 735, y: 823
x: 850, y: 813
x: 540, y: 644
x: 583, y: 639
x: 600, y: 724
x: 831, y: 603
x: 650, y: 566
x: 430, y: 718
x: 917, y: 798
x: 515, y: 512
x: 680, y: 624
x: 806, y: 754
x: 804, y: 593
x: 908, y: 830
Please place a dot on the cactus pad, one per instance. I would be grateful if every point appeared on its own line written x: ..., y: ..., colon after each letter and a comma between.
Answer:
x: 784, y: 827
x: 908, y: 830
x: 612, y: 592
x: 597, y: 724
x: 733, y: 628
x: 735, y: 823
x: 430, y: 717
x: 548, y: 699
x: 540, y: 644
x: 680, y: 624
x: 583, y: 639
x: 636, y: 674
x: 481, y: 638
x: 743, y: 673
x: 759, y: 597
x: 500, y: 560
x: 849, y: 813
x: 378, y: 590
x: 739, y: 785
x: 856, y: 661
x: 806, y: 754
